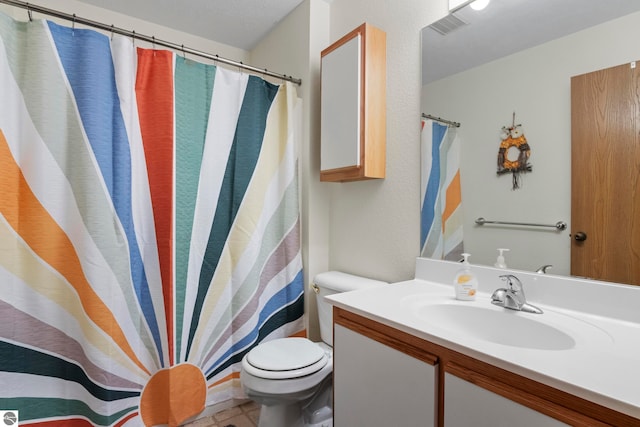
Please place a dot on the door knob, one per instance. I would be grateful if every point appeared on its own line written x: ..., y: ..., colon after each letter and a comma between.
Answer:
x: 580, y: 236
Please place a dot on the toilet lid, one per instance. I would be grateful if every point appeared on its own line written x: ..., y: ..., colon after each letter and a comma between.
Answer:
x: 286, y: 358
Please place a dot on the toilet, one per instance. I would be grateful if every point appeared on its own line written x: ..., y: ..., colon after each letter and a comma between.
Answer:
x: 291, y: 377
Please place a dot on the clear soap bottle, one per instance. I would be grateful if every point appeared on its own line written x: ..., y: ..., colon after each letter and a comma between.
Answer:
x: 500, y: 262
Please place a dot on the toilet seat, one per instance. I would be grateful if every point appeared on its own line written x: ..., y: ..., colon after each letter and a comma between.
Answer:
x: 285, y: 358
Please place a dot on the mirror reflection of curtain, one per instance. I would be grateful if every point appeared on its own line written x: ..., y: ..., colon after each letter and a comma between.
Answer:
x: 441, y: 199
x: 149, y: 227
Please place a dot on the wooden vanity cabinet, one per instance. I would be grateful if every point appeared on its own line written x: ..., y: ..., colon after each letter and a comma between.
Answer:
x: 353, y: 106
x: 468, y: 392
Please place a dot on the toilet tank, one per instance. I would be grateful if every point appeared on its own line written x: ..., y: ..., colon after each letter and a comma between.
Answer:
x: 330, y: 283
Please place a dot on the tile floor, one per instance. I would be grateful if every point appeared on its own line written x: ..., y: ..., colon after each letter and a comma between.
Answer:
x: 245, y: 415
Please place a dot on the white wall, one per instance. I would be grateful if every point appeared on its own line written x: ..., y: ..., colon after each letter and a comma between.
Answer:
x: 374, y: 225
x: 536, y: 85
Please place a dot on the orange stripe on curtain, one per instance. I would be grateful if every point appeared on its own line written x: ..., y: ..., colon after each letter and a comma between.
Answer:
x: 454, y: 198
x: 154, y: 92
x: 41, y: 233
x: 231, y: 376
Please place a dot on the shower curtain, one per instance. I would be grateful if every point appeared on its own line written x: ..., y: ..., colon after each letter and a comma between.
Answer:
x: 441, y: 197
x: 149, y: 228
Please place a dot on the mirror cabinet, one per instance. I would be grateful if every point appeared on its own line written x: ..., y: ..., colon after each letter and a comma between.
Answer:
x: 353, y: 106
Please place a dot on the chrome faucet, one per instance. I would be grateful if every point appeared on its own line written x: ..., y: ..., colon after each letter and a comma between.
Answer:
x: 543, y: 269
x: 513, y: 297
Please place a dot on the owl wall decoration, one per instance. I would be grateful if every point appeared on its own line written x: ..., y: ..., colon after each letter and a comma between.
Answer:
x: 514, y: 153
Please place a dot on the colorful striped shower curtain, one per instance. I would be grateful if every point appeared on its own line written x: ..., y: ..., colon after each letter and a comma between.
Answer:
x: 149, y: 228
x: 441, y: 198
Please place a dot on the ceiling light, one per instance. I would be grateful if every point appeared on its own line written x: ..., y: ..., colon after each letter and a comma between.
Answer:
x: 479, y: 4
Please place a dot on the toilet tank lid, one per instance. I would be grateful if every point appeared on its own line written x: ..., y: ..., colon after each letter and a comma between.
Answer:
x: 344, y: 282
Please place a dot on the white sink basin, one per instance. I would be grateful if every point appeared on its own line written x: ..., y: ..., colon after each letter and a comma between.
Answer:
x: 505, y: 327
x: 484, y: 321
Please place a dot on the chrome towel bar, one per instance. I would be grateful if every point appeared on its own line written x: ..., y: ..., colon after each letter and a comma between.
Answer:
x: 560, y: 225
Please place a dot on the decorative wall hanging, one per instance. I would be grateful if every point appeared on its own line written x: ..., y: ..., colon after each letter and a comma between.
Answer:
x: 513, y: 137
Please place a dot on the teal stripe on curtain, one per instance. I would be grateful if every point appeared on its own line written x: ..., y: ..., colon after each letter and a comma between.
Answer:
x: 193, y: 87
x: 13, y: 360
x: 34, y: 333
x: 242, y: 161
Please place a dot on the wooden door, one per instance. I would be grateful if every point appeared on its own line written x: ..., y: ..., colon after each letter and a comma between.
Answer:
x: 605, y: 170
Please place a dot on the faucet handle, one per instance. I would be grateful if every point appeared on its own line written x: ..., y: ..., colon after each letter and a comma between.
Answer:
x: 511, y: 281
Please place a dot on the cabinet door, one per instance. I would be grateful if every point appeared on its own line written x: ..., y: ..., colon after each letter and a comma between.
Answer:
x: 353, y: 106
x: 466, y: 404
x: 340, y: 110
x: 379, y: 386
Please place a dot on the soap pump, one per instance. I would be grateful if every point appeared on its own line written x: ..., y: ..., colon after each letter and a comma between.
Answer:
x: 500, y: 263
x: 465, y: 282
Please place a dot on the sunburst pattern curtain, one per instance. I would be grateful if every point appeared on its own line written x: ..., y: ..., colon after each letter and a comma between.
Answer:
x: 441, y: 205
x: 149, y: 229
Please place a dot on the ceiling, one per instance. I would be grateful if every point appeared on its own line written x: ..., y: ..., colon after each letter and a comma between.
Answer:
x: 238, y: 23
x: 503, y: 28
x: 508, y: 26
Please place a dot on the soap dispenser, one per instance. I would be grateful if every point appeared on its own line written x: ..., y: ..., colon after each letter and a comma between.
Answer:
x: 465, y: 282
x: 500, y: 263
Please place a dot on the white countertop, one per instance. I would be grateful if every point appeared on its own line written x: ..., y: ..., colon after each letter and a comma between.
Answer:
x: 602, y: 367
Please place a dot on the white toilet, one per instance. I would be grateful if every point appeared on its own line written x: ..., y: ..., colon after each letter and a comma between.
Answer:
x: 291, y: 377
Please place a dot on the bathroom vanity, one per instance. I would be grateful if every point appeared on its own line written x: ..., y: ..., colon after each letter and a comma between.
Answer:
x: 410, y: 353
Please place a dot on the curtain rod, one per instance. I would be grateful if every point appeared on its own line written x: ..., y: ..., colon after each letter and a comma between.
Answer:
x: 154, y: 41
x: 437, y: 119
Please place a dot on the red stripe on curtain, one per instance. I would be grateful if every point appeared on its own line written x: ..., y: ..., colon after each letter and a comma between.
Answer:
x: 154, y: 92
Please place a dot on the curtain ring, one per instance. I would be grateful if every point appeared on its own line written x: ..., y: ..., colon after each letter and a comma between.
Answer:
x: 111, y: 32
x: 133, y: 37
x: 184, y: 55
x: 73, y: 25
x: 29, y: 13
